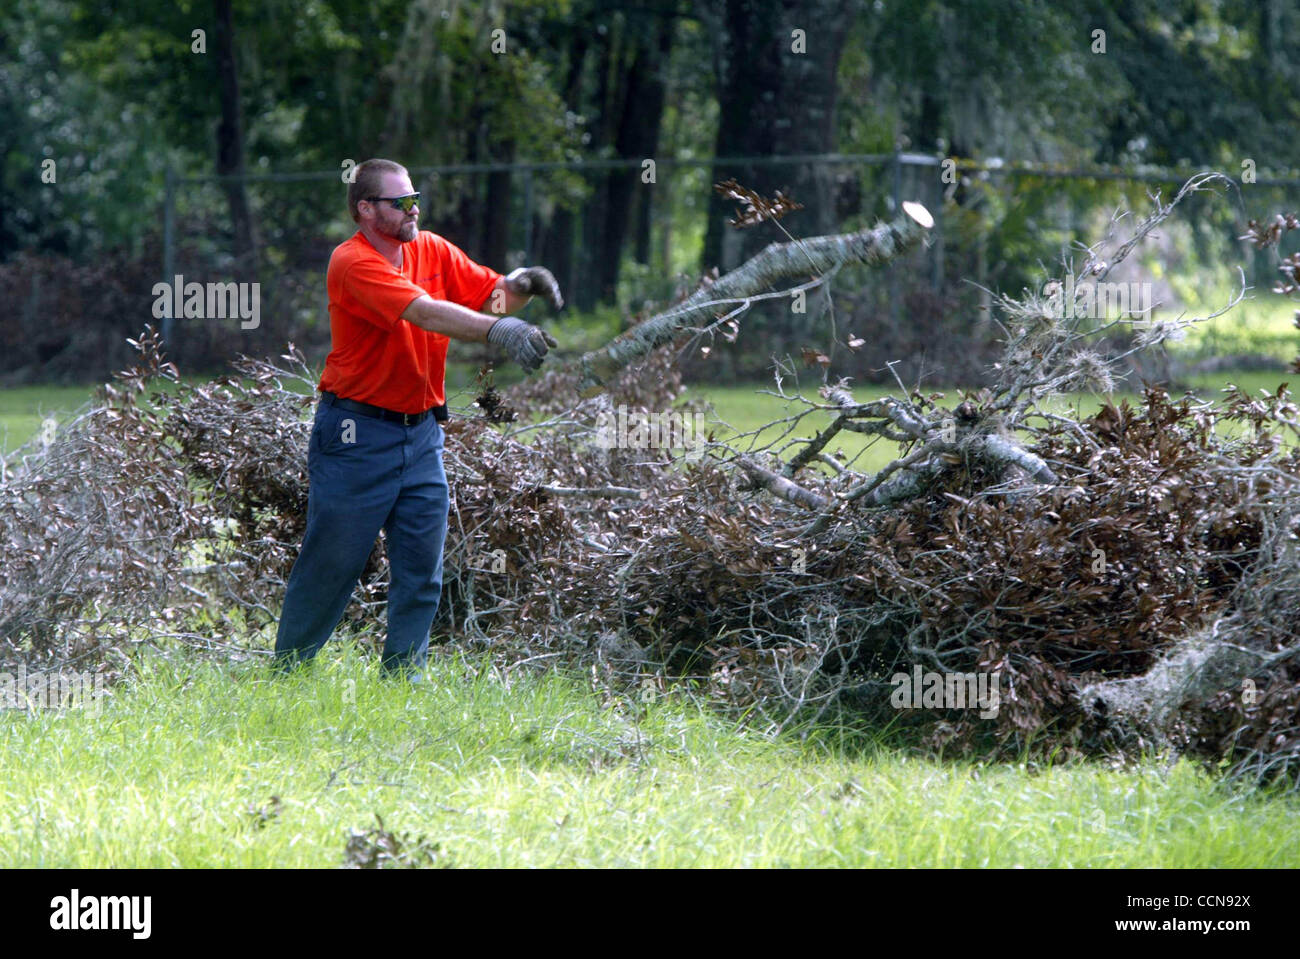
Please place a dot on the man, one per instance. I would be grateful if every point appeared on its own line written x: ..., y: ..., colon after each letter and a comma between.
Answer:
x: 396, y: 296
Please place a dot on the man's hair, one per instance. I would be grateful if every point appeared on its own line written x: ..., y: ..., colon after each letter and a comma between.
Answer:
x: 366, y: 183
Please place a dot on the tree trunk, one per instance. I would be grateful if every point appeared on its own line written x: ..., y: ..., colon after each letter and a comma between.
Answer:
x: 561, y: 233
x: 640, y: 112
x: 772, y: 101
x: 464, y: 226
x: 230, y: 139
x: 496, y: 218
x: 587, y: 292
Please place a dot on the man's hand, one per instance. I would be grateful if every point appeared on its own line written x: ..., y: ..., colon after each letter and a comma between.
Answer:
x: 525, y: 343
x: 535, y: 281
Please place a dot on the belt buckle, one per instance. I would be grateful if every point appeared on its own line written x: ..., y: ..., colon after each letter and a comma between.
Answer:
x: 406, y: 419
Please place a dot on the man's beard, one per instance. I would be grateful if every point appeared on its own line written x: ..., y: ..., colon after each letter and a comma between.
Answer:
x: 405, y: 232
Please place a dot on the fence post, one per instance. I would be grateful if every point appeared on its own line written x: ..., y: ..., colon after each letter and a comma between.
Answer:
x: 895, y: 308
x: 936, y: 246
x: 169, y: 252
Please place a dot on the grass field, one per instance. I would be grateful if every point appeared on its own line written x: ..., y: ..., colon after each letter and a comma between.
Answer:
x: 1262, y: 324
x: 201, y: 765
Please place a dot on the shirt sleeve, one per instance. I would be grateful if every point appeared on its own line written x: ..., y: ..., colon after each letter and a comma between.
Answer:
x: 373, y: 290
x: 466, y: 282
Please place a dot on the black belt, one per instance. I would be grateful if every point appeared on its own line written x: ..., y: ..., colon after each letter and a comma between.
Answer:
x: 365, y: 409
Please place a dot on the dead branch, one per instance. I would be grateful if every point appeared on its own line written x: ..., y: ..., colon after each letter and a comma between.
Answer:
x: 779, y: 261
x: 780, y: 486
x: 617, y: 492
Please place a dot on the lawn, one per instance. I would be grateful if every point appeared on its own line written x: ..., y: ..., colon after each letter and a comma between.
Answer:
x: 207, y: 765
x: 24, y: 408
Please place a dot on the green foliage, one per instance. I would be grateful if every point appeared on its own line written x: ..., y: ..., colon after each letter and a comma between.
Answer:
x: 114, y: 94
x: 984, y: 78
x: 1208, y: 83
x: 65, y: 102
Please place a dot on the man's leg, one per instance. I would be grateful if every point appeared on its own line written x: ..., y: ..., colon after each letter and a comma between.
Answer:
x: 417, y: 531
x: 353, y: 486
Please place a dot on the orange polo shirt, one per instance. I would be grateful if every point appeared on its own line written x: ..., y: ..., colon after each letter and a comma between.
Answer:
x: 377, y: 357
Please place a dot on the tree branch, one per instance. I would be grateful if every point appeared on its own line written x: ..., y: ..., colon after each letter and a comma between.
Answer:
x: 779, y: 261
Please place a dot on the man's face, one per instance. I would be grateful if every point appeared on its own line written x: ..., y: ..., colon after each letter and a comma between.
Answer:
x: 394, y: 223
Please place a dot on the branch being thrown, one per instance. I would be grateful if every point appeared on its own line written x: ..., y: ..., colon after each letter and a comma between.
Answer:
x: 779, y: 261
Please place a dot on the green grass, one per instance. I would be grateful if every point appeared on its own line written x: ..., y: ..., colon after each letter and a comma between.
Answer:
x: 24, y: 408
x: 179, y: 768
x: 1262, y: 324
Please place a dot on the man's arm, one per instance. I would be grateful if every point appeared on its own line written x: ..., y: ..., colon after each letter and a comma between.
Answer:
x: 504, y: 300
x: 526, y: 344
x: 514, y: 291
x: 449, y: 319
x: 507, y: 296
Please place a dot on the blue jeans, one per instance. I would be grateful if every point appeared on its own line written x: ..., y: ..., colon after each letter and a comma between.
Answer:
x: 368, y: 474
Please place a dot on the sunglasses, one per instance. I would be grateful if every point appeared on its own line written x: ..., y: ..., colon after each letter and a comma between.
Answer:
x: 403, y: 203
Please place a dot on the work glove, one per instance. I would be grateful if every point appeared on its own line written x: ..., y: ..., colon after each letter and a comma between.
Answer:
x: 525, y: 343
x: 535, y: 281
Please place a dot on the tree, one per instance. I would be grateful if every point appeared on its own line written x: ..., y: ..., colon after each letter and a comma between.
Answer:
x: 777, y: 94
x: 230, y: 137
